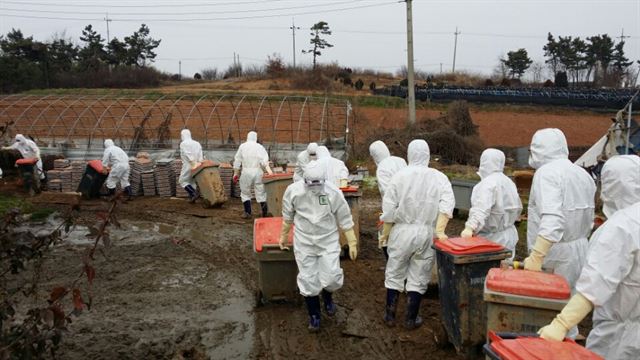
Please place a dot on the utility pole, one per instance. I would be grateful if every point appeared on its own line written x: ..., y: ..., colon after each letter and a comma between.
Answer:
x: 180, y: 69
x: 293, y: 28
x: 108, y: 21
x: 622, y: 36
x: 410, y: 76
x: 441, y: 68
x: 455, y: 48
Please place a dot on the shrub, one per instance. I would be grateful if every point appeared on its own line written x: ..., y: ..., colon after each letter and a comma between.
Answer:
x: 209, y: 73
x: 359, y: 84
x: 372, y: 86
x: 197, y: 76
x: 275, y: 66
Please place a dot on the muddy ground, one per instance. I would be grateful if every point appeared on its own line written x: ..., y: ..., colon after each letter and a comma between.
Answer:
x: 180, y: 282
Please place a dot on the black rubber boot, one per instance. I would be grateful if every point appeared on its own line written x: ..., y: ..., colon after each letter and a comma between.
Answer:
x: 385, y: 252
x: 193, y: 195
x: 127, y: 190
x: 111, y: 194
x: 412, y: 319
x: 263, y: 207
x: 247, y: 209
x: 313, y: 308
x: 329, y: 305
x: 391, y: 307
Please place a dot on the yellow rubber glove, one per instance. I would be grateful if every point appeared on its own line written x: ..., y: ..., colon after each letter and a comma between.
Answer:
x: 284, y: 235
x: 352, y: 242
x: 344, y: 183
x: 575, y: 310
x: 539, y: 251
x: 267, y: 168
x: 467, y: 232
x: 441, y: 225
x: 384, y: 237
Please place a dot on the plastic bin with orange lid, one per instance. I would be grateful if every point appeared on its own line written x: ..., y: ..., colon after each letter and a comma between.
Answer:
x: 352, y: 194
x: 92, y: 180
x: 275, y: 185
x: 30, y: 174
x: 511, y: 346
x: 209, y: 183
x: 463, y: 265
x: 523, y: 301
x: 28, y: 161
x: 277, y: 269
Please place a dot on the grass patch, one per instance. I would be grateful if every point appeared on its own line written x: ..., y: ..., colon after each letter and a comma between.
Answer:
x: 8, y: 202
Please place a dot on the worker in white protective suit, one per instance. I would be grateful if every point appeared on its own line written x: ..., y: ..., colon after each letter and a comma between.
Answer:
x: 304, y: 157
x: 416, y: 199
x: 115, y: 162
x: 561, y: 209
x: 337, y: 172
x: 29, y: 150
x: 252, y: 159
x: 191, y: 155
x: 386, y: 167
x: 495, y: 203
x: 610, y: 280
x: 317, y: 208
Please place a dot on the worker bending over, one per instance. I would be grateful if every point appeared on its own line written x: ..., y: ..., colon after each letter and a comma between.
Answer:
x: 317, y: 208
x: 28, y: 150
x: 417, y: 198
x: 495, y: 203
x: 610, y: 281
x: 250, y: 162
x: 115, y: 162
x: 337, y: 172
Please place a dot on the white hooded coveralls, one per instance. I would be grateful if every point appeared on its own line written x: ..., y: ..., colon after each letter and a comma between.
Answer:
x: 190, y: 153
x: 304, y: 157
x: 116, y: 159
x: 610, y: 278
x: 386, y: 165
x: 252, y: 158
x: 561, y: 204
x: 495, y: 203
x: 316, y: 215
x: 28, y: 150
x: 412, y: 202
x: 335, y: 168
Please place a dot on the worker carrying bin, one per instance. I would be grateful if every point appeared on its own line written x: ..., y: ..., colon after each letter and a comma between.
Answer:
x: 352, y: 194
x: 30, y: 176
x: 512, y: 346
x: 209, y: 183
x: 275, y: 186
x: 523, y: 301
x: 92, y: 179
x: 463, y: 264
x: 277, y: 269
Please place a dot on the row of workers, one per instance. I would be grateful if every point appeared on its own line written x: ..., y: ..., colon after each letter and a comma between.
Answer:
x: 560, y: 218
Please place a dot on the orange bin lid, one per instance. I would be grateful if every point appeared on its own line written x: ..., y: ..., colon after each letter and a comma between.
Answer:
x: 266, y: 232
x: 351, y: 188
x: 30, y: 161
x: 204, y: 164
x: 536, y: 348
x: 96, y: 165
x: 528, y: 283
x: 468, y: 246
x: 278, y: 176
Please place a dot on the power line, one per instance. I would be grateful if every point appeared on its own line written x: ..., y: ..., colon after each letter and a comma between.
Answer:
x: 205, y: 19
x: 179, y: 13
x: 139, y: 6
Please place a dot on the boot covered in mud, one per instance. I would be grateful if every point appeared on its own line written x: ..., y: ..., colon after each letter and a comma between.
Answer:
x: 329, y: 306
x: 247, y: 209
x: 127, y: 191
x: 111, y: 194
x: 412, y: 319
x: 313, y: 308
x: 193, y: 194
x: 391, y: 307
x: 265, y: 210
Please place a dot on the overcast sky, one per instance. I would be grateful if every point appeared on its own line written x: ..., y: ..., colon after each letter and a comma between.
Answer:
x: 366, y: 33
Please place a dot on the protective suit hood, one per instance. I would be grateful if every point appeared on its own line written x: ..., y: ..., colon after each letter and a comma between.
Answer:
x: 21, y: 138
x: 312, y: 149
x: 379, y: 151
x: 547, y: 145
x: 491, y: 161
x: 620, y: 183
x: 418, y: 153
x: 314, y: 177
x: 108, y: 143
x: 185, y: 135
x: 252, y: 136
x: 323, y: 152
